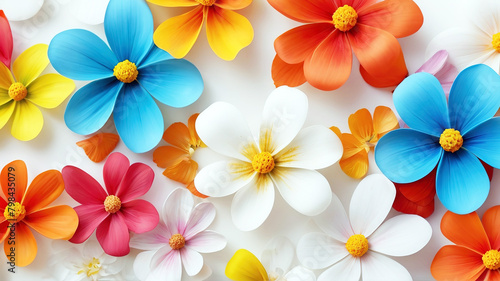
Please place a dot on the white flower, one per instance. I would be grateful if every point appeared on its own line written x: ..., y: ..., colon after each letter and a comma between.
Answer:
x: 356, y: 247
x: 18, y: 10
x: 283, y: 156
x: 89, y: 11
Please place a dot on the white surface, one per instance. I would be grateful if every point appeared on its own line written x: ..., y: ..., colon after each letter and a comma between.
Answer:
x: 246, y: 83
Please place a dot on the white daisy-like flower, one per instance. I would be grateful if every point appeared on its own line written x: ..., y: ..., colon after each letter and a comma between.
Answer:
x: 18, y: 10
x: 356, y: 247
x: 284, y: 156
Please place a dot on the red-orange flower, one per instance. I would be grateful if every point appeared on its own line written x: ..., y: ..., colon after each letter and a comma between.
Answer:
x: 322, y: 49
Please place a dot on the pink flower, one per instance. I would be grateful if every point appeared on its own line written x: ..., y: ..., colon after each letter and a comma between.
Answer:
x: 439, y: 66
x: 178, y: 240
x: 116, y: 211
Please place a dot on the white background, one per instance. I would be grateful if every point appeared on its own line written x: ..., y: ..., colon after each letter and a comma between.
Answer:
x: 246, y: 83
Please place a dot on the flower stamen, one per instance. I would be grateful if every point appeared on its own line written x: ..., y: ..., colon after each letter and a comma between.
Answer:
x: 345, y: 18
x: 177, y: 241
x: 112, y: 204
x: 263, y: 163
x: 357, y: 245
x: 451, y: 140
x: 496, y: 42
x: 17, y: 91
x: 206, y: 2
x: 91, y: 268
x: 15, y: 213
x: 491, y: 260
x: 126, y: 71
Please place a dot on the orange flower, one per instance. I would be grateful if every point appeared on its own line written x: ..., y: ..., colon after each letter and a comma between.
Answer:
x: 22, y: 209
x: 176, y: 159
x: 322, y: 49
x: 365, y: 133
x: 475, y: 255
x: 227, y: 31
x: 99, y: 146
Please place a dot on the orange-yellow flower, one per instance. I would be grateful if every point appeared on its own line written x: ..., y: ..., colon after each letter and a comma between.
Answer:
x: 227, y: 31
x: 176, y: 159
x: 365, y: 132
x: 99, y: 146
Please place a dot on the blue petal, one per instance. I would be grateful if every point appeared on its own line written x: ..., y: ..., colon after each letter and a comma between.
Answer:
x: 421, y: 103
x: 484, y: 142
x: 138, y: 119
x: 154, y: 55
x: 474, y: 97
x: 81, y: 55
x: 176, y: 83
x: 406, y: 155
x: 90, y: 107
x: 462, y: 183
x: 129, y: 29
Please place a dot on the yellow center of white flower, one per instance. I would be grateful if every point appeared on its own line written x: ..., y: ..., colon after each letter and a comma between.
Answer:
x: 112, y: 204
x: 206, y: 2
x: 496, y: 42
x: 345, y: 18
x: 263, y: 163
x: 491, y: 260
x: 357, y: 245
x: 91, y: 268
x: 126, y: 71
x: 177, y: 241
x: 14, y: 213
x: 17, y: 91
x: 451, y: 140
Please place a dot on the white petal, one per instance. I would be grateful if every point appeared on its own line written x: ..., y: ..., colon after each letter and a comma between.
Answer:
x: 284, y: 114
x: 253, y: 203
x: 376, y: 267
x: 223, y: 129
x: 191, y: 260
x: 204, y: 274
x: 92, y: 249
x: 142, y: 264
x: 370, y: 203
x: 334, y: 221
x: 207, y: 241
x: 201, y: 217
x: 315, y: 147
x: 402, y: 235
x: 348, y: 269
x: 485, y: 16
x: 300, y: 273
x: 177, y: 209
x: 278, y: 255
x: 166, y: 265
x: 90, y: 11
x: 223, y: 178
x: 20, y: 9
x: 307, y: 191
x: 318, y: 250
x: 151, y: 240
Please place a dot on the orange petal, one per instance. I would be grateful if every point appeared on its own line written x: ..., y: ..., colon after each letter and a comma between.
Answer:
x: 491, y: 221
x: 178, y: 135
x: 168, y: 156
x: 99, y: 146
x: 384, y: 120
x: 361, y: 125
x: 298, y: 43
x: 358, y: 5
x: 14, y: 175
x: 195, y: 139
x: 175, y: 3
x: 402, y: 204
x: 232, y: 4
x: 401, y: 18
x: 178, y: 34
x: 195, y: 191
x: 58, y: 222
x: 23, y: 245
x: 287, y: 74
x: 336, y: 131
x: 330, y: 65
x: 457, y: 263
x: 475, y: 238
x: 306, y: 11
x: 351, y: 145
x: 183, y: 172
x: 492, y: 275
x: 355, y: 166
x: 4, y: 230
x: 43, y: 190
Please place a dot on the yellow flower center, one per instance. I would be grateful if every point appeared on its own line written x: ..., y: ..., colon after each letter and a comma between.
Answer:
x: 491, y: 260
x: 112, y: 204
x: 91, y: 268
x: 496, y: 42
x: 17, y: 91
x: 126, y: 71
x: 451, y: 140
x: 14, y: 213
x: 345, y: 18
x: 263, y: 162
x: 357, y: 245
x: 177, y: 241
x: 206, y: 2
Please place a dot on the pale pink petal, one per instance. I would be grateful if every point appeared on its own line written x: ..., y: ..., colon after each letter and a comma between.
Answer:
x: 177, y: 209
x: 446, y: 76
x: 435, y: 63
x: 114, y: 170
x: 348, y: 269
x: 201, y: 217
x: 113, y: 235
x: 375, y: 266
x: 318, y: 250
x: 140, y: 215
x: 207, y: 242
x: 89, y: 217
x: 166, y: 265
x: 191, y: 260
x: 151, y: 240
x: 82, y: 187
x: 136, y: 182
x: 334, y: 221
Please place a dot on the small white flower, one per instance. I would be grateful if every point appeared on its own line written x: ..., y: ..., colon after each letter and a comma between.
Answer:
x: 18, y: 10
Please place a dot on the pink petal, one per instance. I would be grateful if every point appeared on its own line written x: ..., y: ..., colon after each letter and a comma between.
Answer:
x: 82, y: 187
x: 113, y: 235
x: 201, y: 217
x: 166, y: 265
x: 89, y: 217
x: 136, y: 182
x: 114, y: 170
x: 6, y: 43
x: 140, y: 216
x: 177, y: 210
x: 191, y: 260
x: 446, y: 76
x: 435, y: 63
x: 151, y: 240
x: 207, y: 242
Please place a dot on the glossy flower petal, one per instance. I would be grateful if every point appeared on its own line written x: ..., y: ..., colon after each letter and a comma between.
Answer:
x: 43, y: 190
x: 207, y: 242
x: 485, y: 150
x: 139, y: 215
x: 291, y: 75
x: 27, y: 121
x: 30, y: 8
x: 112, y: 233
x: 306, y: 11
x: 379, y: 267
x: 489, y: 221
x: 200, y: 218
x: 17, y: 169
x: 99, y: 146
x: 50, y: 90
x: 244, y: 266
x: 136, y: 182
x: 26, y: 246
x: 176, y: 211
x: 278, y: 255
x: 7, y: 45
x: 334, y: 221
x: 30, y: 64
x: 223, y: 178
x: 174, y: 3
x: 319, y: 250
x: 457, y: 262
x: 82, y: 187
x: 90, y: 216
x: 90, y: 12
x: 475, y: 238
x: 348, y: 269
x: 59, y: 222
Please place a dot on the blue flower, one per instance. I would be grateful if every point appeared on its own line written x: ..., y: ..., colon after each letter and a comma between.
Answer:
x: 454, y: 137
x: 127, y: 77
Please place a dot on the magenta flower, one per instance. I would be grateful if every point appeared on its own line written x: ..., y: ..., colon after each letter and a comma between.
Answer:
x: 113, y: 211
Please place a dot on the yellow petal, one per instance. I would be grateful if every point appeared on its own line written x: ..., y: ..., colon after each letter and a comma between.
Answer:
x: 355, y: 166
x: 244, y: 266
x: 228, y: 32
x: 28, y: 66
x: 174, y: 3
x: 4, y: 96
x: 336, y: 131
x: 28, y: 121
x: 384, y: 120
x: 351, y: 145
x: 6, y: 78
x: 6, y: 111
x: 361, y: 124
x: 50, y: 90
x: 178, y: 34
